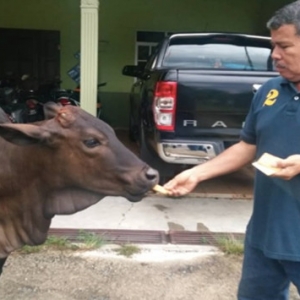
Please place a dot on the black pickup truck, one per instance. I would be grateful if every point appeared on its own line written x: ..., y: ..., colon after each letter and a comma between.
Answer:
x: 190, y: 100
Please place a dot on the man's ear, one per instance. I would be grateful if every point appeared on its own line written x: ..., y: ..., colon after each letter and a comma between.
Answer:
x: 23, y: 134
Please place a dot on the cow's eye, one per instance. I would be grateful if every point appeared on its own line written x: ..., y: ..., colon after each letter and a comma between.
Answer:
x: 91, y: 143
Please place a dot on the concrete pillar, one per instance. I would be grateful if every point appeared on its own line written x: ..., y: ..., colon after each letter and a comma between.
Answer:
x: 89, y: 55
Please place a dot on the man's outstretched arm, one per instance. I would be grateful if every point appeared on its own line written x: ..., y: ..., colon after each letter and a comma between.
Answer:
x: 232, y: 159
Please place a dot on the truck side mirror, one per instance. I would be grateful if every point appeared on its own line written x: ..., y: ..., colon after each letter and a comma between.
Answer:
x: 132, y: 71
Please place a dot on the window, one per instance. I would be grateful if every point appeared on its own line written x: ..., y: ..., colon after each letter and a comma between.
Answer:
x: 143, y: 52
x: 228, y: 53
x: 146, y: 42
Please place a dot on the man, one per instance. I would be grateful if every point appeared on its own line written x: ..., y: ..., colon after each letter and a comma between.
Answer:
x: 272, y: 244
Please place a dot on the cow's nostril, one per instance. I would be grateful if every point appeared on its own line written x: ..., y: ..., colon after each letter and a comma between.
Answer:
x: 151, y: 174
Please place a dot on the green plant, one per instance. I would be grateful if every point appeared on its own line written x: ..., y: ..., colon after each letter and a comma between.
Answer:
x: 230, y: 245
x: 57, y: 242
x: 128, y: 250
x: 90, y: 240
x: 204, y: 241
x: 87, y: 241
x: 52, y: 242
x: 30, y: 249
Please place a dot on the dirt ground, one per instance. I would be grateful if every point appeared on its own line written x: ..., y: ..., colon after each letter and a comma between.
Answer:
x: 64, y: 275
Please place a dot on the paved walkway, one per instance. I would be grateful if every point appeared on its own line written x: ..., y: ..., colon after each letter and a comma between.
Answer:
x: 161, y: 213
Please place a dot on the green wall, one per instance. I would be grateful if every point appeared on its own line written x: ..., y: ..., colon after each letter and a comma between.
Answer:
x: 118, y: 22
x: 265, y: 12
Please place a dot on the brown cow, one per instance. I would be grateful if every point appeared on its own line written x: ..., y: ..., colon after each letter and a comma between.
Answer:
x: 60, y: 166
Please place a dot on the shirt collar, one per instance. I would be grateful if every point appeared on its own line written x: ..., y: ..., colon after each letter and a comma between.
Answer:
x: 285, y: 82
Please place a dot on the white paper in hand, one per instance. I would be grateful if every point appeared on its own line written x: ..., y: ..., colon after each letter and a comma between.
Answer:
x: 266, y: 164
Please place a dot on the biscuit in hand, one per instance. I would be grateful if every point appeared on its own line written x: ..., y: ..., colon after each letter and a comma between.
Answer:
x: 160, y: 189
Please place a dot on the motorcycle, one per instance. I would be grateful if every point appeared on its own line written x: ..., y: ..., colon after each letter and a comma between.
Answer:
x: 33, y: 110
x: 64, y: 97
x: 75, y: 96
x: 51, y: 91
x: 11, y: 106
x: 10, y: 100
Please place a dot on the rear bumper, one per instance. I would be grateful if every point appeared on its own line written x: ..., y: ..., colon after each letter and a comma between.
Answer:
x: 188, y: 151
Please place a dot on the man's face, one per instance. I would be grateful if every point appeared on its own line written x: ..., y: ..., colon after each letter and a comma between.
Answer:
x: 286, y: 52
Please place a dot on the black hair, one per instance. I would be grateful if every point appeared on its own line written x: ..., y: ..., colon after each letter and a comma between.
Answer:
x: 287, y: 15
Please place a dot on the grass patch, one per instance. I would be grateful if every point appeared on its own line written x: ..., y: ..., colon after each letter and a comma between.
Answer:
x: 231, y: 245
x: 87, y: 241
x: 58, y: 242
x: 52, y: 242
x: 90, y: 240
x: 128, y: 250
x: 30, y: 249
x: 204, y: 241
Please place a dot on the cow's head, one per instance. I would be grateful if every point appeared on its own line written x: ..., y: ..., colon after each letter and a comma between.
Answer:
x: 80, y: 159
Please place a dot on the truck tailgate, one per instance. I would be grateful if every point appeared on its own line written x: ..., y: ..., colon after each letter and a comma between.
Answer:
x: 214, y: 103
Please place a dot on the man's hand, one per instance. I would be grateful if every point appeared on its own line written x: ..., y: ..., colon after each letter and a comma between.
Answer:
x: 228, y: 161
x: 182, y: 184
x: 290, y: 167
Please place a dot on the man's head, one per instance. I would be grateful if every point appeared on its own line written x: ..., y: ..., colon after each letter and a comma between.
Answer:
x: 285, y: 34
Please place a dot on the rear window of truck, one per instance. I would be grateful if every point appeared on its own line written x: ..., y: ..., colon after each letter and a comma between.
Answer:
x: 219, y: 52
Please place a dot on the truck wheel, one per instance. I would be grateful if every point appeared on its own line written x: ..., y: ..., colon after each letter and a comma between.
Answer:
x: 133, y: 130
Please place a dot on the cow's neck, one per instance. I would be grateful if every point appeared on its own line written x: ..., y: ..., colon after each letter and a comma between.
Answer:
x: 21, y: 166
x: 21, y: 208
x: 30, y: 197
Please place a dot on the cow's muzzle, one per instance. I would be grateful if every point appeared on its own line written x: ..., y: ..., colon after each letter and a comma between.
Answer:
x: 148, y: 180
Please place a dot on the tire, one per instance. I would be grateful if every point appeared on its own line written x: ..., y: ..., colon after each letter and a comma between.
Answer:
x: 133, y: 130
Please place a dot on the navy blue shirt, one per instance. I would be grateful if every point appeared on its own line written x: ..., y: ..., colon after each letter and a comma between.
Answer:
x: 273, y: 125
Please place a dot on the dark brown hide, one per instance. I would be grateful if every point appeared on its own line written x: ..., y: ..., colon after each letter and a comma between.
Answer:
x: 60, y: 166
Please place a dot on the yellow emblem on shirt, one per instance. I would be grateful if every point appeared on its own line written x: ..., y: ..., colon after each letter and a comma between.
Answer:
x: 271, y: 98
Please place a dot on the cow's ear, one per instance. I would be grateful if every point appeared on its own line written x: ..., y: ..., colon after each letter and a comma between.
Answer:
x: 23, y: 134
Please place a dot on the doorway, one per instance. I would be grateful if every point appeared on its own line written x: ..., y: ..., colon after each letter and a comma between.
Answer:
x: 32, y: 52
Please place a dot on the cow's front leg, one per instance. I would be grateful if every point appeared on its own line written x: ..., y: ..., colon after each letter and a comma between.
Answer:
x: 2, y: 262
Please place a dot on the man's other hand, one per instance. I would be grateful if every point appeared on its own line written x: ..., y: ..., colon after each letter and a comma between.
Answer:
x: 290, y: 167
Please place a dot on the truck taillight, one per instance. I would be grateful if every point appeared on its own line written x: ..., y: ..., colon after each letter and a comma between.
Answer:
x: 164, y: 105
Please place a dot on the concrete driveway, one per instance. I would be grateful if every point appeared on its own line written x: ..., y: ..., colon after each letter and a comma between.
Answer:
x: 161, y: 213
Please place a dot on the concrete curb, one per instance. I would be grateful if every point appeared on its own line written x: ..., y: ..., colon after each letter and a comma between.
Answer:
x: 233, y: 196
